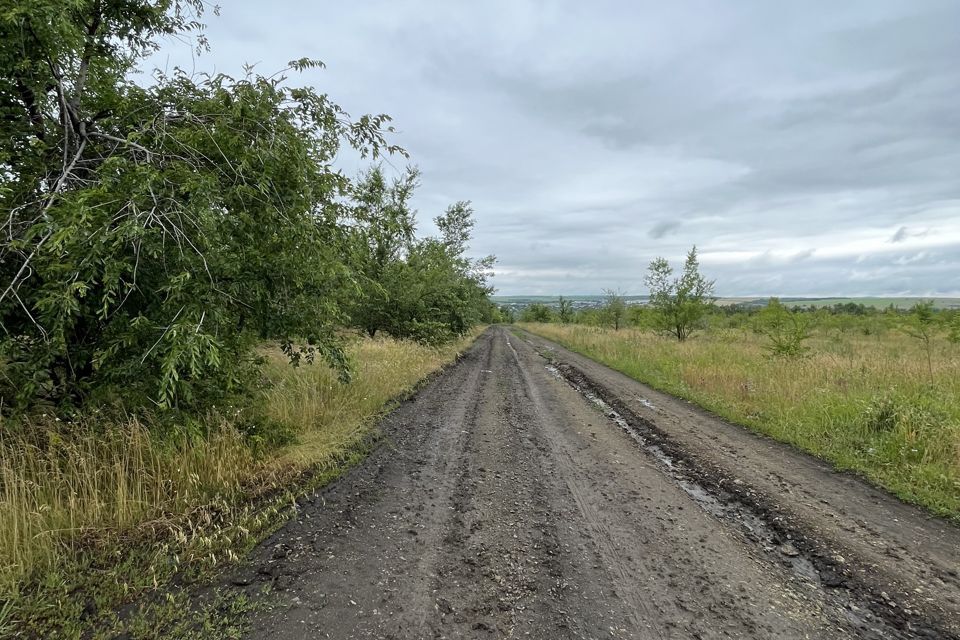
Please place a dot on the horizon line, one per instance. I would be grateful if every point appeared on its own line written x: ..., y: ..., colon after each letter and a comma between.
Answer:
x: 908, y: 296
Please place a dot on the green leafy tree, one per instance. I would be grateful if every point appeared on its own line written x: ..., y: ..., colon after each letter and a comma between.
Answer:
x: 954, y: 335
x: 614, y: 308
x: 491, y: 313
x: 922, y: 325
x: 380, y: 239
x: 537, y: 312
x: 641, y: 317
x: 595, y: 317
x: 427, y: 289
x: 154, y: 232
x: 785, y: 330
x: 565, y: 310
x: 680, y: 302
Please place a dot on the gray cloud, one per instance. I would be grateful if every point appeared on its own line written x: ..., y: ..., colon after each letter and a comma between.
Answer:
x: 904, y: 234
x: 664, y: 228
x: 594, y: 138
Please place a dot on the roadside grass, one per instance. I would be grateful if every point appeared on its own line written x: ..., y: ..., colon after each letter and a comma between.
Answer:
x: 865, y: 403
x: 98, y: 514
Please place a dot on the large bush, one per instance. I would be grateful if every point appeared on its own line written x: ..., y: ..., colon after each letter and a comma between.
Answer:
x: 154, y: 231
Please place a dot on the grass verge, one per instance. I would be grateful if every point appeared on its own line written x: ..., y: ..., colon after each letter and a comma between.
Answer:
x: 97, y: 517
x: 864, y: 403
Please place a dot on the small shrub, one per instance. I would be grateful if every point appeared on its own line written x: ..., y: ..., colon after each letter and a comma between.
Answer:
x: 785, y: 330
x: 954, y: 335
x: 922, y: 325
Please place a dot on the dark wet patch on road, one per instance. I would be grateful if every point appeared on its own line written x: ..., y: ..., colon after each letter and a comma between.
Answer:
x: 731, y: 501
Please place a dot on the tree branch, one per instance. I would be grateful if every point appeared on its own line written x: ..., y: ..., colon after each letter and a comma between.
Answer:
x: 51, y: 199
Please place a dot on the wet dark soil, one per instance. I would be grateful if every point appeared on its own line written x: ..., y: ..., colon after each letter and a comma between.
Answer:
x: 519, y: 495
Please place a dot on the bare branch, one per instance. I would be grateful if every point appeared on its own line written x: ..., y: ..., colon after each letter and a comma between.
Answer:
x: 50, y: 200
x: 121, y: 141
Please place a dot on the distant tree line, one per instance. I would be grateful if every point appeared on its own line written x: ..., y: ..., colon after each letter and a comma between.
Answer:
x: 681, y: 305
x: 676, y: 305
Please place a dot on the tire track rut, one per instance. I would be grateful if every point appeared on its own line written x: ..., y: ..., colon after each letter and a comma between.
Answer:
x: 504, y: 504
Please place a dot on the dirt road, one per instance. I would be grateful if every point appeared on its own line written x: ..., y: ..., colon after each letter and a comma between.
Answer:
x: 519, y: 495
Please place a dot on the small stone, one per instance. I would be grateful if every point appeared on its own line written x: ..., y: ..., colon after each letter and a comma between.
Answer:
x: 832, y: 578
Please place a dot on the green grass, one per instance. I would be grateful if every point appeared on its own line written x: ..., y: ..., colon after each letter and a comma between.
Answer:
x: 865, y: 403
x: 100, y: 514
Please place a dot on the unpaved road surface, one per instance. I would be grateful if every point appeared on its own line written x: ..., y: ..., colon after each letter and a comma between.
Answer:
x: 528, y: 492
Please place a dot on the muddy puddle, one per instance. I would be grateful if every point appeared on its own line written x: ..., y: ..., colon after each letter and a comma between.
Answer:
x: 753, y: 522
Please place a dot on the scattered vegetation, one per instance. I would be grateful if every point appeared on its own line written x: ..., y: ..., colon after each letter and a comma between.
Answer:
x: 537, y: 313
x: 866, y: 395
x: 875, y: 390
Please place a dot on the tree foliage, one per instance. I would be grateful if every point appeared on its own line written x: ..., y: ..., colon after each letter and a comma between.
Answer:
x: 380, y: 241
x: 785, y: 330
x: 422, y: 289
x: 614, y: 308
x: 565, y: 312
x: 156, y: 232
x: 954, y: 328
x: 922, y: 325
x: 680, y: 302
x: 537, y: 312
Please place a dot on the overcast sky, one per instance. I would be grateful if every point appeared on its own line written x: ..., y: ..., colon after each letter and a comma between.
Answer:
x: 806, y: 148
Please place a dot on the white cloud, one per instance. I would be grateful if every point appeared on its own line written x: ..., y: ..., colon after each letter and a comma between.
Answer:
x: 806, y: 148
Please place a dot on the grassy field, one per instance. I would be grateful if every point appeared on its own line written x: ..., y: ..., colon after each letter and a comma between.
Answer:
x: 96, y: 514
x: 866, y: 403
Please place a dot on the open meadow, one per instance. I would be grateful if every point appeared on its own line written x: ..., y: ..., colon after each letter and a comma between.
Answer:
x: 867, y: 402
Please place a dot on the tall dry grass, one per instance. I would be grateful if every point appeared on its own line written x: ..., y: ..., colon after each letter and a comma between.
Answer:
x: 60, y: 486
x: 86, y: 488
x: 864, y: 402
x: 332, y: 416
